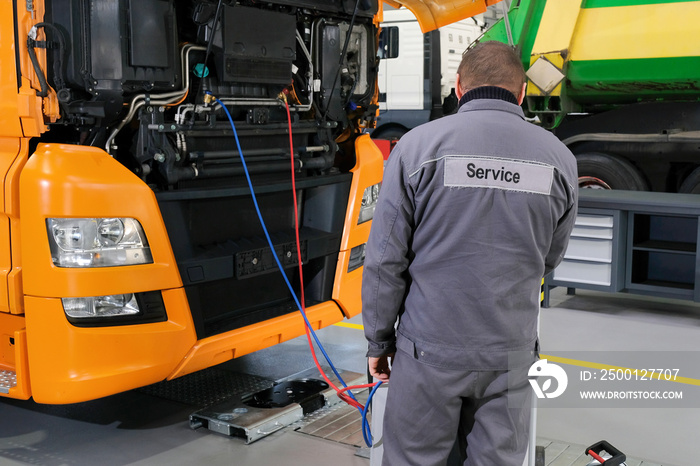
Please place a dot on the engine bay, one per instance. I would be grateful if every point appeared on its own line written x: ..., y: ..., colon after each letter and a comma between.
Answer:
x: 147, y: 79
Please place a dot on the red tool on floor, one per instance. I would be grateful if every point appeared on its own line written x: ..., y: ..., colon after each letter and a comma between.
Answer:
x: 605, y: 454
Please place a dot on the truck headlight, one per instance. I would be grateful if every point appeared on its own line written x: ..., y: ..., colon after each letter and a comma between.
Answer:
x: 101, y: 306
x: 114, y: 310
x: 369, y: 202
x: 97, y: 242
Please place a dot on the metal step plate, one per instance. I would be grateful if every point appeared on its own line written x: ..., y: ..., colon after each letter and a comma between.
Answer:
x: 238, y: 417
x: 207, y: 387
x: 340, y: 423
x: 8, y: 380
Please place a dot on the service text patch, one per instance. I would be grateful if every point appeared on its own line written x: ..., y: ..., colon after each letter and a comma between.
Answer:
x: 498, y: 173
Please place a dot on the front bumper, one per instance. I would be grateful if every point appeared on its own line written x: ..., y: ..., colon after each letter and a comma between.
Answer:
x: 67, y: 364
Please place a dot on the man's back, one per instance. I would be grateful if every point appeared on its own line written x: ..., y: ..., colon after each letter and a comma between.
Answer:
x: 486, y: 191
x: 475, y: 208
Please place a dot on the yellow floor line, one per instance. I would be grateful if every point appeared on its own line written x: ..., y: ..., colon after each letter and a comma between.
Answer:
x: 570, y: 362
x: 595, y: 365
x: 349, y: 325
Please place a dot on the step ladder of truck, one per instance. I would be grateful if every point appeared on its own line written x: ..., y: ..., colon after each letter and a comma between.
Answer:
x: 8, y: 380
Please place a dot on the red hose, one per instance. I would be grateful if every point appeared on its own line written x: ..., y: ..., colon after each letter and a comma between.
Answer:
x: 340, y: 392
x: 596, y: 456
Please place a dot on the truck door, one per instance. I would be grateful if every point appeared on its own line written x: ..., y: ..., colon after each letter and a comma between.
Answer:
x: 401, y: 67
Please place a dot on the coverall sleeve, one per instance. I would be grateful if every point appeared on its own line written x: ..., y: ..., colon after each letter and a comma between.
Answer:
x: 385, y: 276
x: 560, y: 239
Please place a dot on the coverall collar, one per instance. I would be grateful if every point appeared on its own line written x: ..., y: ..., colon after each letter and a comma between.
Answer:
x: 488, y: 92
x: 482, y: 102
x: 492, y: 104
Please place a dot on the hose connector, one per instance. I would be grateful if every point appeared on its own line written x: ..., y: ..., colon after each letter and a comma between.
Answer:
x: 209, y: 97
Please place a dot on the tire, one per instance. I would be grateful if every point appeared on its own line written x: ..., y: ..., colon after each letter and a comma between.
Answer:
x: 391, y: 133
x: 603, y: 171
x: 691, y: 185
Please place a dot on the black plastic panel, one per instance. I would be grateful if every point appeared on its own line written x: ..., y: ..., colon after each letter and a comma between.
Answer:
x: 216, y: 234
x: 258, y: 46
x: 118, y: 46
x: 147, y: 22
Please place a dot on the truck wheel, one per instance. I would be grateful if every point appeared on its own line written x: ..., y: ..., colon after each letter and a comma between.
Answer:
x: 604, y: 171
x: 691, y: 185
x: 390, y: 133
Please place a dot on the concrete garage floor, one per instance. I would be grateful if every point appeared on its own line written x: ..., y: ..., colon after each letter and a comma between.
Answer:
x: 612, y: 323
x: 139, y: 428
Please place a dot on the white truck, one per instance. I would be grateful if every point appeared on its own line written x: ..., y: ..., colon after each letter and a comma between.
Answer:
x: 417, y: 71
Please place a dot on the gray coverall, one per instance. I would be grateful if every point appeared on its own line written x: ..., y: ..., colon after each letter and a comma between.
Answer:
x: 475, y: 208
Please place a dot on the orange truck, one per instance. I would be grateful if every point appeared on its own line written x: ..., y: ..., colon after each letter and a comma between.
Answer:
x: 130, y: 250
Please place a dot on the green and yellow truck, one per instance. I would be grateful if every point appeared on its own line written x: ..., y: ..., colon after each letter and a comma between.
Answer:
x: 619, y: 82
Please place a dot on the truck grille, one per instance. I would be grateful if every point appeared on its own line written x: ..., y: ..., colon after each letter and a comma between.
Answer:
x: 230, y: 275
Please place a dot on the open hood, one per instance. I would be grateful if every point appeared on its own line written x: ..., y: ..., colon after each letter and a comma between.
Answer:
x: 432, y: 14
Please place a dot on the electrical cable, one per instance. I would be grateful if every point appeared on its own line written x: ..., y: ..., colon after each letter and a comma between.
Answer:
x: 208, y: 51
x: 37, y: 69
x: 343, y: 54
x: 349, y: 398
x: 58, y: 61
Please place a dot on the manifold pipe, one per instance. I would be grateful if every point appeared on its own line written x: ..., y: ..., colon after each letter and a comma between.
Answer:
x: 192, y: 172
x: 157, y: 99
x: 320, y: 163
x: 225, y: 154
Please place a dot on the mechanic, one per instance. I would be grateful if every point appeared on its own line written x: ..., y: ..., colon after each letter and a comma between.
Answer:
x: 475, y: 208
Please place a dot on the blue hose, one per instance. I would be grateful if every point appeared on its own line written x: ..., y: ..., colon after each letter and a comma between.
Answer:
x: 272, y: 248
x: 366, y: 432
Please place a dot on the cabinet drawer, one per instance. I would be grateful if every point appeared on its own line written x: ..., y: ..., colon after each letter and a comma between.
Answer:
x: 589, y: 250
x: 593, y: 226
x: 581, y: 231
x: 600, y: 221
x: 584, y: 272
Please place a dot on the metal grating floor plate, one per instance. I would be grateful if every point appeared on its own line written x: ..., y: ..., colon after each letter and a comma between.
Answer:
x: 207, y: 387
x: 340, y: 423
x: 8, y: 380
x: 237, y: 417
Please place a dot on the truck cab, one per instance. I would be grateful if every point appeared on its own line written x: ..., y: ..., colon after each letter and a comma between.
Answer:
x: 170, y: 167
